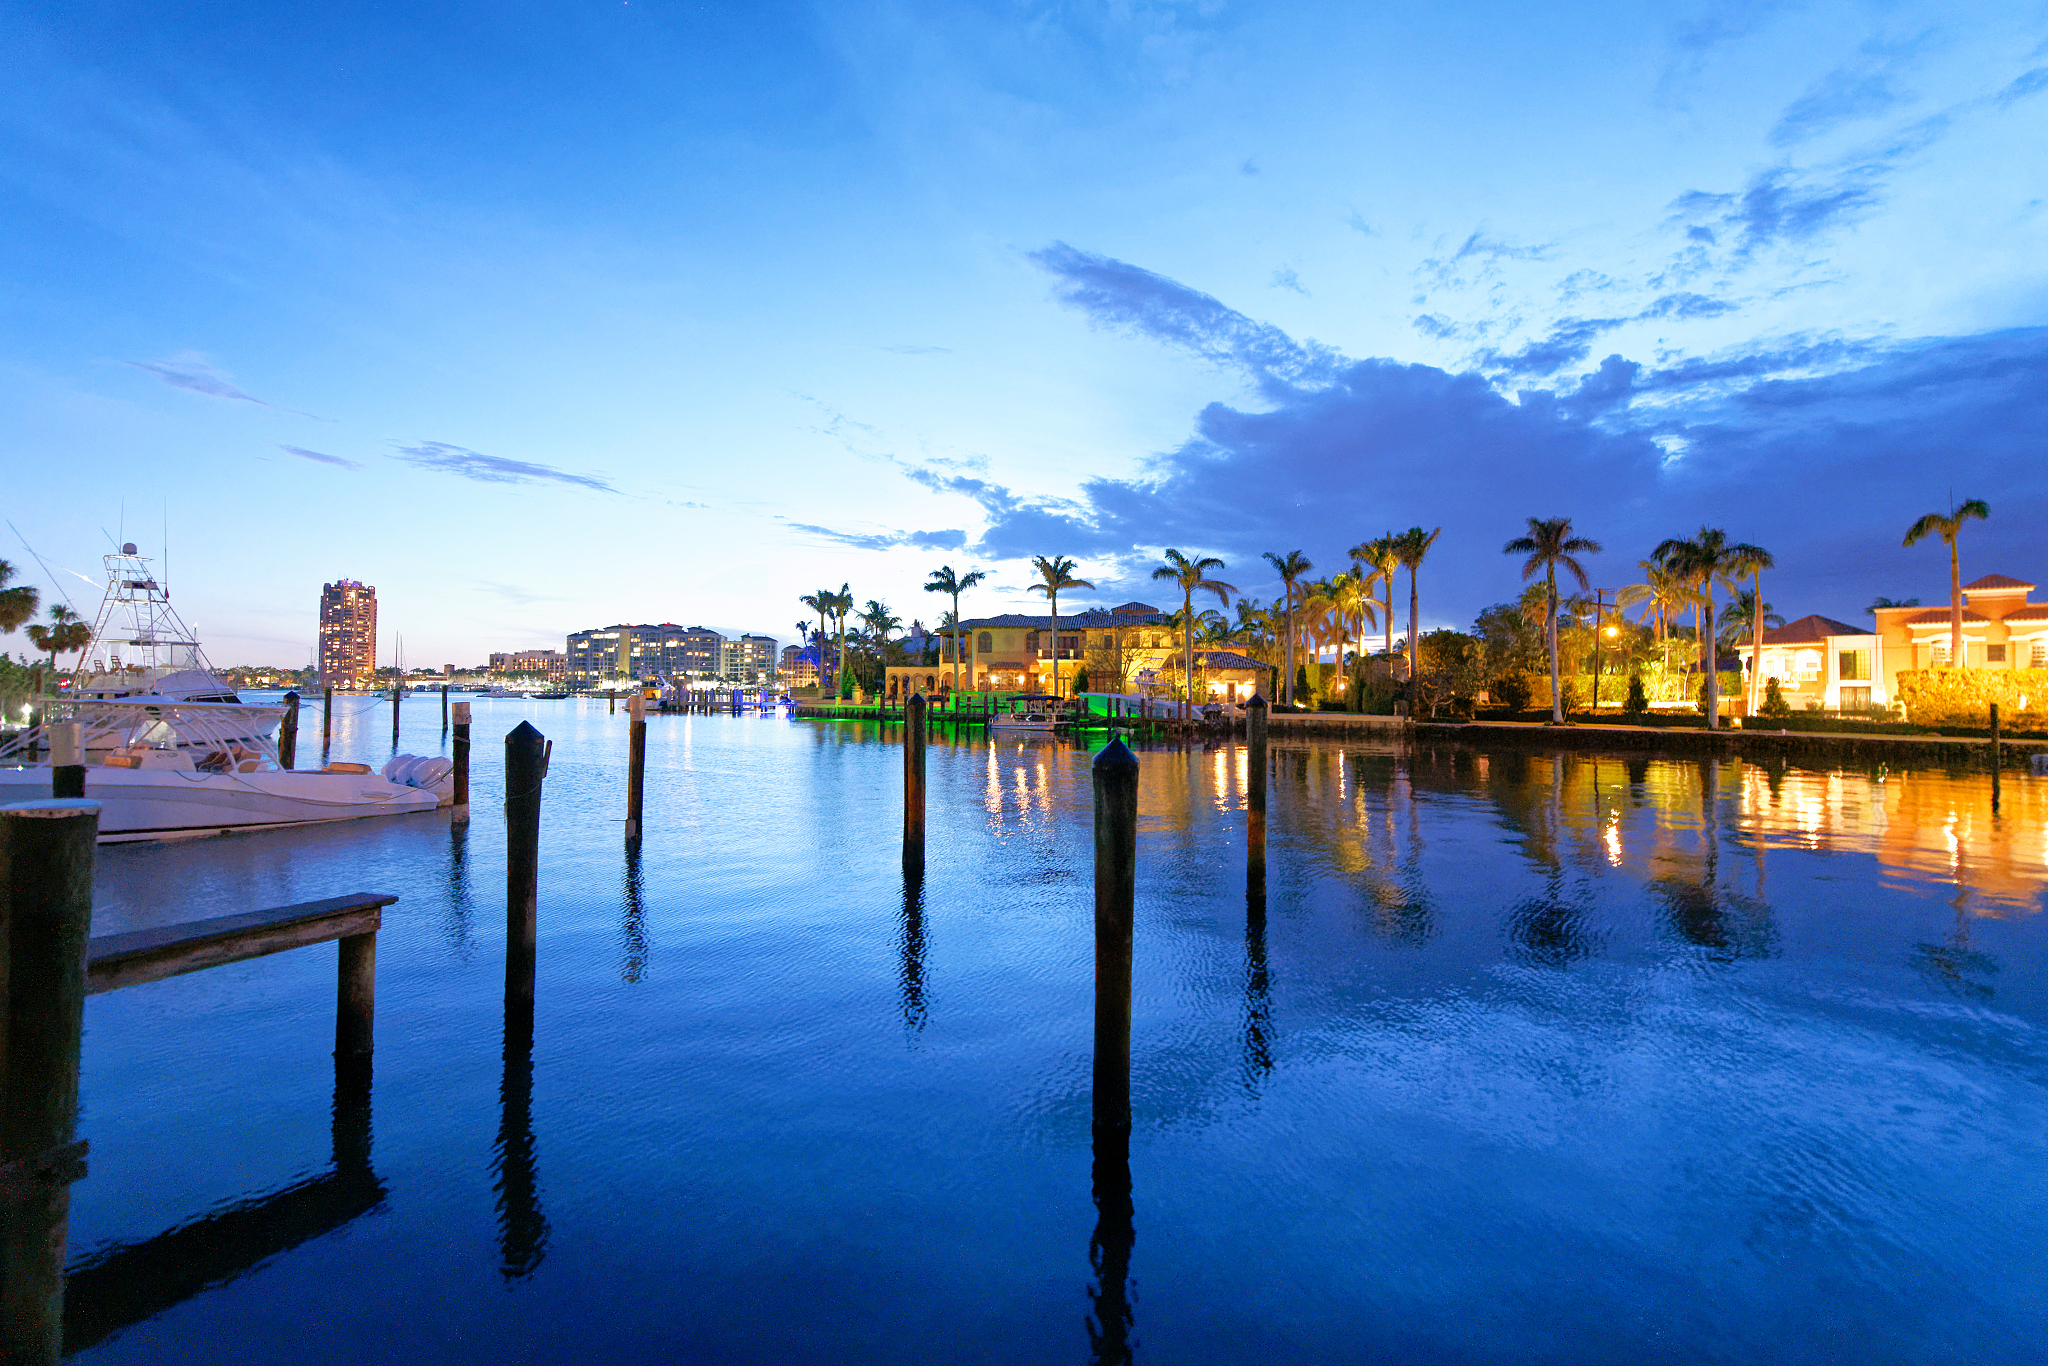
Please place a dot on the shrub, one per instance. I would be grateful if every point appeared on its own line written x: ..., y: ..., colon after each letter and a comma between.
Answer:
x: 1637, y: 702
x: 1081, y: 679
x: 1513, y: 691
x: 1568, y: 696
x: 1774, y: 699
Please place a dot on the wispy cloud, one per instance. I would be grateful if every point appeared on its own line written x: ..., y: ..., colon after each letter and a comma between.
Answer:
x: 918, y: 350
x: 886, y: 540
x: 192, y: 372
x: 1782, y: 206
x: 1113, y: 293
x: 1848, y: 93
x: 2023, y: 85
x: 443, y: 458
x: 320, y: 456
x: 1285, y: 278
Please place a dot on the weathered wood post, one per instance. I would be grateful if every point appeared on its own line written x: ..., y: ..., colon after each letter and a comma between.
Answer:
x: 1997, y: 760
x: 46, y: 857
x: 444, y: 708
x: 1255, y: 791
x: 522, y: 1227
x: 1116, y: 857
x: 326, y: 721
x: 913, y: 783
x: 611, y: 704
x: 459, y: 809
x: 1109, y: 1248
x: 397, y: 696
x: 526, y: 768
x: 287, y: 734
x: 355, y: 998
x: 636, y: 762
x: 67, y: 762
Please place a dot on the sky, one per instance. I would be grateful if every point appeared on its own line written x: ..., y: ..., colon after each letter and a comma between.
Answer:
x: 545, y: 316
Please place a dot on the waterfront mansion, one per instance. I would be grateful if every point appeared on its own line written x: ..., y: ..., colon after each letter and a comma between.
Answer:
x: 1131, y: 648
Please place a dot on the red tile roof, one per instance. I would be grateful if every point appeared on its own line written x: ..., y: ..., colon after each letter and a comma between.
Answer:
x: 1813, y: 630
x: 1939, y: 616
x: 1994, y: 583
x: 2038, y: 612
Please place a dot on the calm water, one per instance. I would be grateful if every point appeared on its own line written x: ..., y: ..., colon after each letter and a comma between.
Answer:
x: 1524, y: 1059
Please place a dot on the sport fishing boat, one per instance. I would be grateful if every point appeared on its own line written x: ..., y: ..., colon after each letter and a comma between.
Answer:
x: 170, y: 751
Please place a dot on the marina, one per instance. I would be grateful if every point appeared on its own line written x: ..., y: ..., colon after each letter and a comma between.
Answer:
x: 1537, y: 1031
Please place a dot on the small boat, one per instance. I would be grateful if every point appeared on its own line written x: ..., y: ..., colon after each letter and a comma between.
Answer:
x: 549, y: 696
x: 1039, y: 713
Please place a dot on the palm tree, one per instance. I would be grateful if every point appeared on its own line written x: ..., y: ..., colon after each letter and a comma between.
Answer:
x: 66, y: 632
x: 1053, y: 575
x: 1292, y: 566
x: 1410, y: 547
x: 1739, y: 618
x: 1381, y: 564
x: 880, y: 622
x: 1550, y: 543
x: 1754, y: 561
x: 1877, y: 603
x: 16, y: 604
x: 1662, y: 595
x: 944, y: 580
x: 1948, y: 528
x: 1701, y: 563
x: 822, y: 602
x: 1191, y: 576
x: 842, y: 604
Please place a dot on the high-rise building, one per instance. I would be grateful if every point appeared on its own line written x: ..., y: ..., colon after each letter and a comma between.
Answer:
x: 549, y: 664
x: 348, y: 635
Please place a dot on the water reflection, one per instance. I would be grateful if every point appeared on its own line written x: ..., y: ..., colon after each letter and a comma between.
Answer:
x: 522, y: 1227
x: 122, y: 1285
x: 456, y: 918
x: 1258, y: 998
x: 910, y: 976
x: 633, y: 927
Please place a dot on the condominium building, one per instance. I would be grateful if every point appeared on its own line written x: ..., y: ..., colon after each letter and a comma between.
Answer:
x: 659, y: 651
x: 348, y: 635
x: 549, y: 664
x: 748, y: 660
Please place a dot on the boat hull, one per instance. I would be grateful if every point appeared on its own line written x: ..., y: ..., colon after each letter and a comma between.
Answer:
x: 165, y: 804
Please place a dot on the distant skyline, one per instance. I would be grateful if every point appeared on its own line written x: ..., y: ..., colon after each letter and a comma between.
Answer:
x: 548, y: 316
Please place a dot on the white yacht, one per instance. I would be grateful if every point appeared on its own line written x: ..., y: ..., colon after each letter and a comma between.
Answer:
x: 171, y: 752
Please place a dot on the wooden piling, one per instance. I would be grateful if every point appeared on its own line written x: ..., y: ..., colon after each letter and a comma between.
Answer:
x: 444, y: 708
x: 636, y: 762
x: 287, y: 733
x: 1997, y: 759
x: 46, y: 861
x: 355, y: 999
x: 459, y: 810
x: 67, y: 759
x: 526, y: 768
x: 397, y: 696
x: 1255, y: 712
x: 1116, y: 858
x: 913, y: 783
x: 326, y: 721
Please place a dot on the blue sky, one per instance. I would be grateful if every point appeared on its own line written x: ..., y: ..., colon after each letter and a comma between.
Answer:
x: 545, y: 316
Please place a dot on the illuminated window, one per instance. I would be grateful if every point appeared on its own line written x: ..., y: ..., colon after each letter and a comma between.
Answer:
x: 2038, y: 659
x: 1940, y: 648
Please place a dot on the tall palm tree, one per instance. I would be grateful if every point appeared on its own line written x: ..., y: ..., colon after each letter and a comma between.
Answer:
x: 1381, y: 564
x: 65, y: 633
x: 1702, y: 562
x: 1054, y: 575
x: 16, y: 604
x: 842, y: 604
x: 1191, y: 576
x: 1291, y: 566
x: 1753, y: 561
x: 822, y: 602
x: 944, y: 580
x: 1410, y: 547
x: 1948, y: 528
x: 1550, y: 543
x: 880, y: 621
